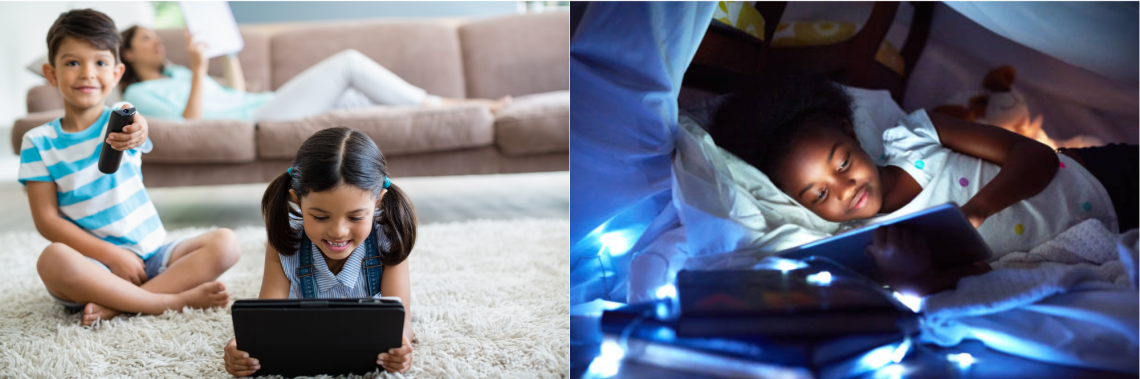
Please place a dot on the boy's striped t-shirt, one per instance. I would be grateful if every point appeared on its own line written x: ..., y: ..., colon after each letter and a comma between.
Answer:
x: 113, y: 207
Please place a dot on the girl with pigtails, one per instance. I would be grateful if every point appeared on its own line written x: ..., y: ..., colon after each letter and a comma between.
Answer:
x: 338, y: 228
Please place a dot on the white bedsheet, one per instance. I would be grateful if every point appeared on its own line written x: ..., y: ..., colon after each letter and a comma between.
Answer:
x: 1070, y: 301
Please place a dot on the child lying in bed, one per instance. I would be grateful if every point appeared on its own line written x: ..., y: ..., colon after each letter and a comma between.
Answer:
x: 1016, y: 191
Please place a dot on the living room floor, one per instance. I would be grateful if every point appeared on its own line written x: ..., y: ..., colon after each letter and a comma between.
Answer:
x: 437, y: 199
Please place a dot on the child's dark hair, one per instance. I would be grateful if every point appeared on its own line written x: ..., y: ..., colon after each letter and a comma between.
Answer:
x: 330, y: 158
x: 130, y: 76
x: 761, y: 123
x: 88, y: 25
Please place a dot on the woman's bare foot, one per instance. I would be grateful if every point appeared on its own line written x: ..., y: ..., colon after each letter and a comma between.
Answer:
x: 205, y: 295
x: 498, y: 105
x: 94, y: 312
x: 494, y: 105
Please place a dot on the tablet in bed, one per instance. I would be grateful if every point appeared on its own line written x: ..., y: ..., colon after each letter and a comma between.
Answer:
x: 318, y: 336
x: 950, y: 236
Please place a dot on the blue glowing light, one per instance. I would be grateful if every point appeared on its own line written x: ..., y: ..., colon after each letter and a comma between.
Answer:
x: 910, y: 301
x: 608, y: 362
x: 964, y: 360
x: 665, y: 334
x: 900, y: 352
x: 615, y: 242
x: 893, y: 371
x: 662, y: 311
x: 822, y: 278
x: 668, y: 291
x: 874, y: 359
x: 777, y: 263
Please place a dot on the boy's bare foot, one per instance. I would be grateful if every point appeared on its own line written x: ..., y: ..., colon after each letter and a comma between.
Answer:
x: 94, y: 312
x: 206, y: 295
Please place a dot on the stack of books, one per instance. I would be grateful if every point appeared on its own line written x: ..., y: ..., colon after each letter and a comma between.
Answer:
x: 818, y: 321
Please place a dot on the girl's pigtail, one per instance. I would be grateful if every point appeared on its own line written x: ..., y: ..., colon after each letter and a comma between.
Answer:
x: 278, y: 215
x: 398, y: 223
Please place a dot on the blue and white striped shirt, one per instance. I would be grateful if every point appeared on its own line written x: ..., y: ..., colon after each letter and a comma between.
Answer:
x: 114, y: 207
x: 349, y: 283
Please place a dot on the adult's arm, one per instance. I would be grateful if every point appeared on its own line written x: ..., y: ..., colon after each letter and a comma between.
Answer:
x: 235, y: 79
x: 198, y: 66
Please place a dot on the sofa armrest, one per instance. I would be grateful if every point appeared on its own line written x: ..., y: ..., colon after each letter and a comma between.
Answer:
x: 535, y: 124
x: 30, y: 121
x: 44, y: 98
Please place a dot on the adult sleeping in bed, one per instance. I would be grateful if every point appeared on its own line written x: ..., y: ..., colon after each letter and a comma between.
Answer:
x: 177, y: 92
x: 1018, y: 192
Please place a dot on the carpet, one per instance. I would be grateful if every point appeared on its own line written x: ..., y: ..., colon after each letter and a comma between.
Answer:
x: 489, y: 299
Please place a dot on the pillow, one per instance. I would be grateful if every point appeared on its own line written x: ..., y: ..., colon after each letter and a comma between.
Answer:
x: 37, y: 66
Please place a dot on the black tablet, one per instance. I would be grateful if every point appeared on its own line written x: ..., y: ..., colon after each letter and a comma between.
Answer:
x: 318, y: 336
x: 950, y: 236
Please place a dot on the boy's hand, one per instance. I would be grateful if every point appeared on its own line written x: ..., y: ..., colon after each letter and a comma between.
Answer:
x: 129, y: 266
x: 899, y: 253
x: 397, y: 360
x: 133, y: 135
x: 238, y: 363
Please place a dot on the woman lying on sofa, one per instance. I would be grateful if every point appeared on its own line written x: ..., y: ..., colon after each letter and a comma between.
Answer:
x: 176, y: 92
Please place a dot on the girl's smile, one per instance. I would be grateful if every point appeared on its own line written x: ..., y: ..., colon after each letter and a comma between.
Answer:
x: 338, y: 220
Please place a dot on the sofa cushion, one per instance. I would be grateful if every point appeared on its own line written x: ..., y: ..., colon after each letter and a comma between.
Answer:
x: 254, y: 57
x: 396, y: 130
x: 424, y: 54
x: 201, y: 141
x: 198, y: 141
x: 516, y: 55
x: 535, y: 124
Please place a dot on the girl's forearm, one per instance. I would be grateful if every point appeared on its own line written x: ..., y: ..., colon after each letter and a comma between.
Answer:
x: 1019, y: 179
x: 194, y: 104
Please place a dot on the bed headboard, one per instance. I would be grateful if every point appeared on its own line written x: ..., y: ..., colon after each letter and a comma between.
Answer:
x: 728, y: 57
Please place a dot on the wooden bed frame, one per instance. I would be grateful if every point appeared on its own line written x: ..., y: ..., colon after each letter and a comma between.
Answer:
x: 728, y: 57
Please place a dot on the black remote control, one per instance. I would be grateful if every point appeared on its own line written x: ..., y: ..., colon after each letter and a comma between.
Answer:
x: 110, y: 158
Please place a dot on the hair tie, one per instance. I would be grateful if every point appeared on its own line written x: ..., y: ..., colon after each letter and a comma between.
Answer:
x: 387, y: 182
x: 290, y: 172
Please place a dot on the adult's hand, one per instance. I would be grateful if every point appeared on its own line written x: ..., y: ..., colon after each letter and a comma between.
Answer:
x: 196, y: 51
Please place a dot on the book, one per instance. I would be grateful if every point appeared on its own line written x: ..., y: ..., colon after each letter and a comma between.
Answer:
x: 637, y: 323
x: 213, y: 22
x: 733, y: 303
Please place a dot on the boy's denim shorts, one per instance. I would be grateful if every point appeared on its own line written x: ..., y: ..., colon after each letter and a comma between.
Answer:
x: 154, y: 265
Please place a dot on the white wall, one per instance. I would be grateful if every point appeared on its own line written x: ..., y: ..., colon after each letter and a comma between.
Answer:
x: 23, y: 39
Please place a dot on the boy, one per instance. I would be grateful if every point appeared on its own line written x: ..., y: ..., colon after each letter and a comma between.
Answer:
x: 107, y: 250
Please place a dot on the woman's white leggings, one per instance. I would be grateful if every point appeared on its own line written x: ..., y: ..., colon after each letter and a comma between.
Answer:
x: 345, y: 79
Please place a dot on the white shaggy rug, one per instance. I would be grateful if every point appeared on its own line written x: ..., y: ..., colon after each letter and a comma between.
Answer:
x: 490, y: 299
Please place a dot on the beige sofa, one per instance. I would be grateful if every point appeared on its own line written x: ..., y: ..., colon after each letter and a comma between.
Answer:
x: 525, y: 56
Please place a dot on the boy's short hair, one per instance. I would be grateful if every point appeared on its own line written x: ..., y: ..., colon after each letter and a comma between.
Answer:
x: 761, y: 123
x: 88, y: 25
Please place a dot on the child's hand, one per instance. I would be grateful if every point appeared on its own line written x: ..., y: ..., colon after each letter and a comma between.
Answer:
x: 397, y: 360
x: 974, y: 213
x: 238, y: 363
x: 899, y: 253
x: 129, y: 266
x: 133, y: 135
